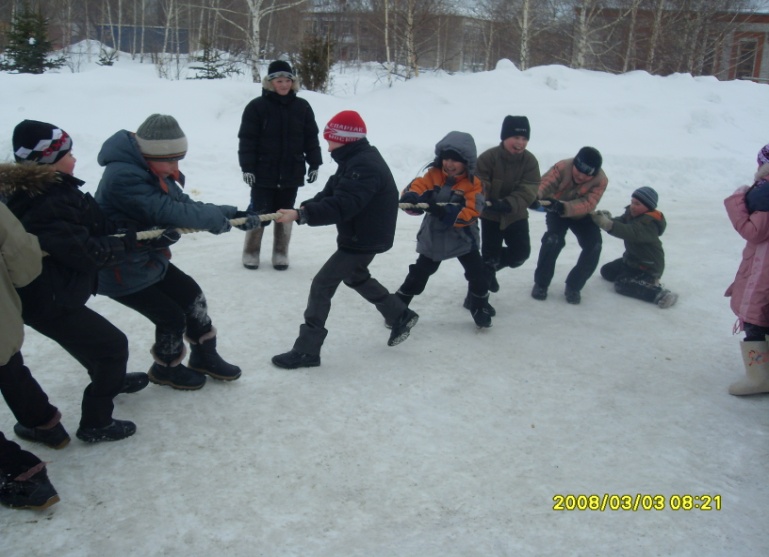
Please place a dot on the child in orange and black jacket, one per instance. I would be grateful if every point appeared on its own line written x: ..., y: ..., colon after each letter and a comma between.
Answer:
x: 454, y: 197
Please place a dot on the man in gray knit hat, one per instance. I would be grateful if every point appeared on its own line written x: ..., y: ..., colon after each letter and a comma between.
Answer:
x: 142, y: 183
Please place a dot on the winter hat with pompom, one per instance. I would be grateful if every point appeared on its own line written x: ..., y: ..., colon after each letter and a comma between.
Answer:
x: 345, y: 127
x: 647, y: 196
x: 40, y: 142
x: 160, y: 138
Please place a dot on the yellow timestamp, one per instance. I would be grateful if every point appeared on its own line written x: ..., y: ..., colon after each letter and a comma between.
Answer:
x: 636, y: 502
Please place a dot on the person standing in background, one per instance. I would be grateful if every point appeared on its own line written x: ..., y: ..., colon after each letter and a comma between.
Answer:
x: 278, y: 136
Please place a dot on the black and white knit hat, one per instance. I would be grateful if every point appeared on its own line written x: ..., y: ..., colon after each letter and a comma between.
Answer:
x: 40, y: 142
x: 160, y: 138
x: 647, y: 196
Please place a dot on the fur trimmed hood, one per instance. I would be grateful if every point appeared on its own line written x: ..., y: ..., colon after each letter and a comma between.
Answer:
x: 34, y: 179
x: 267, y: 84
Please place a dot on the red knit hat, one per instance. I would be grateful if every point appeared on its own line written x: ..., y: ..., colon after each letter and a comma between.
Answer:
x: 345, y: 127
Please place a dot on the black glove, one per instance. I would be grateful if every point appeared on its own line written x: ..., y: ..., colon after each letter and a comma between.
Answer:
x: 553, y: 206
x: 499, y: 205
x: 448, y: 213
x: 427, y: 197
x: 536, y: 206
x: 412, y: 198
x: 129, y: 238
x: 167, y: 238
x: 312, y: 175
x: 438, y: 211
x: 252, y: 220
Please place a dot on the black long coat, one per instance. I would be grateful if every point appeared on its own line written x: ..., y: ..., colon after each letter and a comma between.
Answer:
x: 278, y: 135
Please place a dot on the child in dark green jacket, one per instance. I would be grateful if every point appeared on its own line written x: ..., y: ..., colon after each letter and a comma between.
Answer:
x: 637, y: 273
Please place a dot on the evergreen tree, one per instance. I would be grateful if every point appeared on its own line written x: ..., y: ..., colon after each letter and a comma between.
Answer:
x: 315, y: 62
x: 214, y: 66
x: 28, y: 48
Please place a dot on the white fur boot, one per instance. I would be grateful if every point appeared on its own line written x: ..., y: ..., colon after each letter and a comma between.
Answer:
x: 755, y: 355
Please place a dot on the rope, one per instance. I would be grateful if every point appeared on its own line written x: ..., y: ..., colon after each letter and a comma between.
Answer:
x: 150, y: 234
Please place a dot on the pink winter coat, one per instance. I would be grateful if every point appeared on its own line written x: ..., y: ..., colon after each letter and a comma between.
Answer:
x: 750, y: 290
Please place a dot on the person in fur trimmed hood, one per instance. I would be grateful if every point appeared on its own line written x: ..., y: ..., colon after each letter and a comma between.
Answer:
x: 454, y: 197
x: 278, y: 137
x: 78, y: 241
x: 637, y: 273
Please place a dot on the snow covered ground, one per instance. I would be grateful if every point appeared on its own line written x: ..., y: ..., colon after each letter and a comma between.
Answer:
x: 456, y: 442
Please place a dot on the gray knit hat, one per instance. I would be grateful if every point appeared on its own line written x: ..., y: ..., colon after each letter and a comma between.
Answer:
x: 160, y: 138
x: 647, y: 196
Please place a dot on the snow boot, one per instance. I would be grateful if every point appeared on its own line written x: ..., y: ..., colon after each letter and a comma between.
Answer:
x: 251, y: 247
x: 293, y: 359
x: 402, y: 327
x: 55, y: 437
x: 117, y: 430
x: 490, y: 268
x: 135, y: 382
x: 205, y: 359
x: 35, y: 493
x: 480, y: 310
x: 467, y: 304
x: 665, y: 299
x: 572, y: 296
x: 280, y: 245
x: 539, y: 292
x: 170, y: 371
x: 755, y: 356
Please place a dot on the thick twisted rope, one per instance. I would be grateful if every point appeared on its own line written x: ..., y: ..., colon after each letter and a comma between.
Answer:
x: 155, y: 233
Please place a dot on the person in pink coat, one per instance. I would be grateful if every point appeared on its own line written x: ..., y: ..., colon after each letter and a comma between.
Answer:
x: 748, y: 210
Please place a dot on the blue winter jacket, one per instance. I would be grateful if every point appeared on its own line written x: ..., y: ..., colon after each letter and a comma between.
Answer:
x: 129, y: 190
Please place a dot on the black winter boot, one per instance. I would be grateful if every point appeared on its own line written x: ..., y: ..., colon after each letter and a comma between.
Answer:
x: 172, y: 372
x: 479, y: 309
x: 55, y: 437
x: 117, y: 430
x: 205, y: 359
x: 402, y: 327
x: 293, y: 360
x: 36, y: 493
x: 134, y: 382
x: 467, y: 304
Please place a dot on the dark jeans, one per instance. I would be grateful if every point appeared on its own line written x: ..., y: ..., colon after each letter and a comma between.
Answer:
x: 24, y: 396
x: 352, y: 269
x: 589, y: 239
x: 175, y: 304
x: 100, y: 347
x: 517, y: 241
x: 631, y: 282
x: 755, y: 332
x: 424, y: 268
x: 14, y: 461
x: 269, y: 200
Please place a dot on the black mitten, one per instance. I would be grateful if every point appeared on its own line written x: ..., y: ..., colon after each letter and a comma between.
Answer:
x: 499, y: 205
x: 553, y: 206
x: 169, y: 237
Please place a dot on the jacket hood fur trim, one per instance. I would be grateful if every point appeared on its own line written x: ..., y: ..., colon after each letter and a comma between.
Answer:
x: 34, y: 179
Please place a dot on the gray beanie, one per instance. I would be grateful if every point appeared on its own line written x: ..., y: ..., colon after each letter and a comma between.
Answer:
x: 160, y: 138
x: 647, y: 196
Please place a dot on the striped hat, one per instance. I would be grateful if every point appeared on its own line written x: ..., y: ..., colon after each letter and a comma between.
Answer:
x: 345, y: 127
x: 160, y: 138
x: 40, y: 142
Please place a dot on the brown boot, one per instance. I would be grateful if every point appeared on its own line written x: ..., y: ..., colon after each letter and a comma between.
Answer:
x: 251, y: 246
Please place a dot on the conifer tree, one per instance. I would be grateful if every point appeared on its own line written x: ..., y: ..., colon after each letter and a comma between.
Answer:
x: 28, y: 48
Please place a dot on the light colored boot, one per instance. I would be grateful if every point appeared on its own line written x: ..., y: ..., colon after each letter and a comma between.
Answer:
x: 755, y: 355
x: 280, y: 245
x: 251, y: 246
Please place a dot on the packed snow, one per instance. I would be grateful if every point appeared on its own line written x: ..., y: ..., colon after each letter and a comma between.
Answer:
x: 456, y: 442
